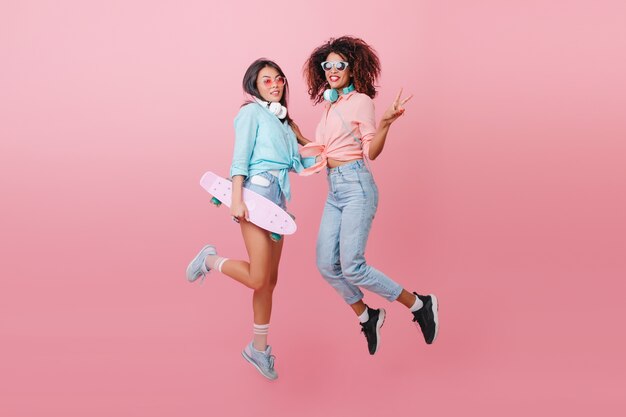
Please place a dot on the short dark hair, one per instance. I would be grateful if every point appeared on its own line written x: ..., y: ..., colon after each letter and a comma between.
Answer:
x: 363, y: 63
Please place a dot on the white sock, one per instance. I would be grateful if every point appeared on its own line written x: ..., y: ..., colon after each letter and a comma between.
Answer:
x: 417, y: 304
x: 259, y: 336
x: 214, y: 262
x: 364, y: 317
x: 220, y: 263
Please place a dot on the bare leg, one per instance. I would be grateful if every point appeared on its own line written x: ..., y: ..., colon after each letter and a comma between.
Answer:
x: 260, y: 274
x: 262, y: 297
x: 406, y: 298
x: 256, y: 273
x: 358, y: 307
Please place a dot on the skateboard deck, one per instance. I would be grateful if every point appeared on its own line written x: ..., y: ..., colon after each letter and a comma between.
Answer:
x: 261, y: 211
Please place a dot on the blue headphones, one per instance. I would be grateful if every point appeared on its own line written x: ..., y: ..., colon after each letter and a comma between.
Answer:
x: 332, y: 95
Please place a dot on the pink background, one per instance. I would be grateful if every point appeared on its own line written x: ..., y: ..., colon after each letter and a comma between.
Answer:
x: 502, y: 190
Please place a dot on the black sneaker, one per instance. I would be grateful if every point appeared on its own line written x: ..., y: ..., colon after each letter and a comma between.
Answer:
x: 427, y: 317
x: 371, y: 328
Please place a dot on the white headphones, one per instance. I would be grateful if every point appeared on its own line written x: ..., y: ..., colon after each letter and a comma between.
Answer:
x: 274, y: 107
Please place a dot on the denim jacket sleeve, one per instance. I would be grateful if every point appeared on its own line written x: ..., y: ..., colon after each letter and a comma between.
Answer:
x: 246, y: 127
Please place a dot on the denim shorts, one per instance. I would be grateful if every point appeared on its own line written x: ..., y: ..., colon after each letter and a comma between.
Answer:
x: 270, y: 191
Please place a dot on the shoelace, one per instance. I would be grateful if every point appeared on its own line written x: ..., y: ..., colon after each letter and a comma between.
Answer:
x: 415, y: 315
x: 200, y: 277
x: 367, y: 336
x: 203, y: 275
x: 267, y: 360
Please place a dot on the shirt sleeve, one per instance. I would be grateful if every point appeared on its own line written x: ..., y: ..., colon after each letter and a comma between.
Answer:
x: 366, y: 119
x: 246, y: 126
x: 308, y: 162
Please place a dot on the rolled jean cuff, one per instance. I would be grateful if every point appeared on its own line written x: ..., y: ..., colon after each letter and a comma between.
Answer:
x: 354, y: 299
x: 394, y: 296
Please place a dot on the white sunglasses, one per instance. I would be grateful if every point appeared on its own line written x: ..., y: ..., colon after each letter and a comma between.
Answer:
x: 339, y: 65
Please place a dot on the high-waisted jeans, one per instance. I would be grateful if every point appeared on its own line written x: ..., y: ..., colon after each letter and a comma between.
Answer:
x: 346, y: 222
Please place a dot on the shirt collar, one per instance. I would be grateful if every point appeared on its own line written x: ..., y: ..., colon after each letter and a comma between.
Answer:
x: 342, y: 97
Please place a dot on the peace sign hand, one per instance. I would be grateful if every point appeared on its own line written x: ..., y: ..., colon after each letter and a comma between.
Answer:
x: 395, y: 110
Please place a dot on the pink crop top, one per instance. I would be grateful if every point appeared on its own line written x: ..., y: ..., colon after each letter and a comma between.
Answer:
x: 350, y: 119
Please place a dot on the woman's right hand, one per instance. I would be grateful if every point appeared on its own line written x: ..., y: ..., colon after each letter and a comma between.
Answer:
x: 238, y: 208
x: 296, y: 130
x: 239, y: 211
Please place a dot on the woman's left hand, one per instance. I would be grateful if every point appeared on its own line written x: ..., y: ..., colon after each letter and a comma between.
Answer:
x: 395, y: 110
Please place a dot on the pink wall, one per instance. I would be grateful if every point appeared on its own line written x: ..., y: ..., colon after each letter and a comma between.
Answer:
x: 502, y: 190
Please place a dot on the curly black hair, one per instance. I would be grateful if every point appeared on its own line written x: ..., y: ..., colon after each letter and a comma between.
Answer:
x: 363, y: 64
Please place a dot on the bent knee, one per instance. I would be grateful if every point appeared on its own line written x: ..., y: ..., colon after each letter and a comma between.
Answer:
x: 263, y: 284
x: 355, y: 272
x: 326, y: 268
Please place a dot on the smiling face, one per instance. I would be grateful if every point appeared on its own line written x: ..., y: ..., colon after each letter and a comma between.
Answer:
x: 270, y: 84
x: 337, y: 79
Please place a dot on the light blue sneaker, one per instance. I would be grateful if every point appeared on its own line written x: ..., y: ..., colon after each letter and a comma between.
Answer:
x: 262, y: 361
x: 197, y: 268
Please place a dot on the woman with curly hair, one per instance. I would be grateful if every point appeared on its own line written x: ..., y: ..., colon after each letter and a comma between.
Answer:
x: 343, y: 72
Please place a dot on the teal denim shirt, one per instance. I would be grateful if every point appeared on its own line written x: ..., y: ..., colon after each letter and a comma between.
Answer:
x: 264, y: 143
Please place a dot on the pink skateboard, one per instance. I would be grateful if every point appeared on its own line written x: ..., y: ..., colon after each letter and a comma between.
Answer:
x: 262, y: 211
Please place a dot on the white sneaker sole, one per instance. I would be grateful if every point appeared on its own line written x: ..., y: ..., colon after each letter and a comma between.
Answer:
x: 435, y: 315
x: 379, y: 324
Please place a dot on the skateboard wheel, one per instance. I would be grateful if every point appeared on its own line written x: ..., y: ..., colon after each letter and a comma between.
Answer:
x: 216, y: 202
x: 275, y: 237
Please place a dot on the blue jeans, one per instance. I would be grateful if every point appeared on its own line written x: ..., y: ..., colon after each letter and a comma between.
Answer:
x: 344, y: 229
x: 272, y: 191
